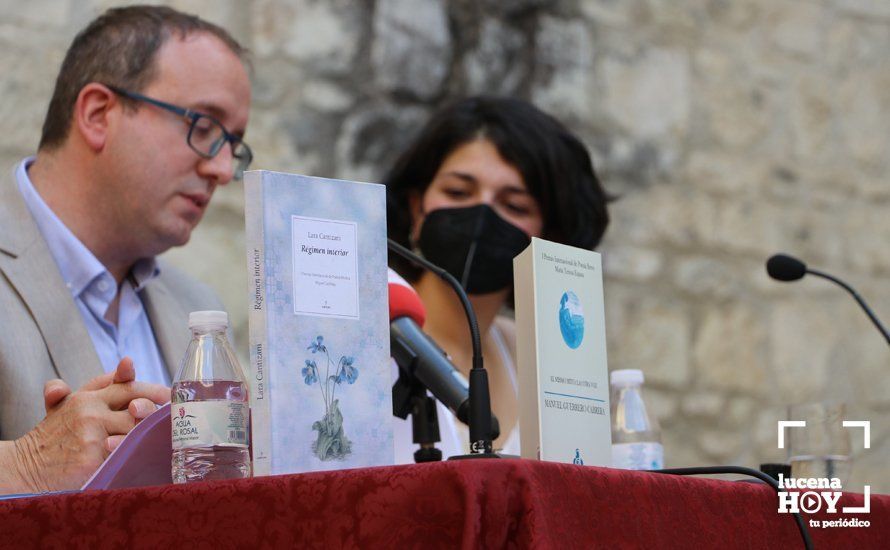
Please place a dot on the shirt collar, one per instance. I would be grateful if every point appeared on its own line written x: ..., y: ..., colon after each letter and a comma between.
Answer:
x: 77, y: 264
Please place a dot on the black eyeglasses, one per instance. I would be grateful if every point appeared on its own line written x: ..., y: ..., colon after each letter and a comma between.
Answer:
x: 206, y: 136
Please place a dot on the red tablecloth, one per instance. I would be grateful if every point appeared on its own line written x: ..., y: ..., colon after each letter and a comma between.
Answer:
x: 470, y: 504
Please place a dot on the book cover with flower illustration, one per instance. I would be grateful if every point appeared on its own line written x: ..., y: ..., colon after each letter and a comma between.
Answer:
x: 321, y: 396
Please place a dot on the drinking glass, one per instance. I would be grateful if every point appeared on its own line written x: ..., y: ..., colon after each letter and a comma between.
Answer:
x: 822, y: 447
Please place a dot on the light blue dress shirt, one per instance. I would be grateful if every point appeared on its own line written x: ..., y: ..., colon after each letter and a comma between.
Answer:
x: 93, y: 288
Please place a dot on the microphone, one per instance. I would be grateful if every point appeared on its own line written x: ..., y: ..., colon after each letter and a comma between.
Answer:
x: 783, y: 267
x: 481, y: 425
x: 420, y: 357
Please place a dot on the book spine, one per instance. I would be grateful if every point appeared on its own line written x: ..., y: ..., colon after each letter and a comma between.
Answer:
x: 527, y: 353
x: 260, y: 396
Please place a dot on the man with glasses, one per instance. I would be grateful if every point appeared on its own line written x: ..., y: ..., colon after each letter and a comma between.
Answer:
x: 146, y: 120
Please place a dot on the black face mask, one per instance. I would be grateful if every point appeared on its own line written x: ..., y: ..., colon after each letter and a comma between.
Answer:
x: 474, y: 244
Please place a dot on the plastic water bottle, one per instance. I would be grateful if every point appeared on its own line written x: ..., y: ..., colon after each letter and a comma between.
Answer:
x: 210, y: 409
x: 636, y: 437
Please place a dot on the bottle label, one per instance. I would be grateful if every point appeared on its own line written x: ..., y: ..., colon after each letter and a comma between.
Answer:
x: 209, y: 423
x: 638, y: 456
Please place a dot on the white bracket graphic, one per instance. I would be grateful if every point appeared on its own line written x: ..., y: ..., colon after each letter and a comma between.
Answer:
x: 866, y: 443
x: 788, y: 424
x: 866, y: 430
x: 866, y: 494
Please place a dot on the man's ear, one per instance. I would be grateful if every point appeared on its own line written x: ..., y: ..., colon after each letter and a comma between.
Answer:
x: 91, y: 114
x: 415, y: 207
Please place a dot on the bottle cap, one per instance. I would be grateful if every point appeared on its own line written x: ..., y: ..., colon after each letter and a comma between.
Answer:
x: 626, y: 377
x: 208, y: 319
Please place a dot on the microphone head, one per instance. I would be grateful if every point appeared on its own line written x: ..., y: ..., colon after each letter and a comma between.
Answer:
x: 783, y: 267
x: 403, y: 300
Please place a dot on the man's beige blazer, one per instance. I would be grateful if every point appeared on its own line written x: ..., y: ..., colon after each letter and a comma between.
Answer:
x: 42, y: 335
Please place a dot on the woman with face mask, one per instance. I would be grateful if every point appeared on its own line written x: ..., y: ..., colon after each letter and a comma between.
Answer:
x: 484, y: 176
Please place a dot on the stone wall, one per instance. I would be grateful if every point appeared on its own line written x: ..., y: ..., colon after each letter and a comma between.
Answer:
x: 728, y: 129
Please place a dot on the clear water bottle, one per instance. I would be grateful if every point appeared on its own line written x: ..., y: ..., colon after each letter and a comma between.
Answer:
x: 210, y: 409
x: 636, y: 437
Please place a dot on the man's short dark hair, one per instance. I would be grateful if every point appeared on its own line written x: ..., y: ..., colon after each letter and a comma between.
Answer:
x: 118, y: 48
x: 555, y: 166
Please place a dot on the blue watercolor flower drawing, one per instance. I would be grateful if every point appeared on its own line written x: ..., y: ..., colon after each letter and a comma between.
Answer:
x: 331, y: 443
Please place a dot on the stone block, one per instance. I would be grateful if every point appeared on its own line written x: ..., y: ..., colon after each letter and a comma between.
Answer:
x: 311, y: 132
x: 858, y: 361
x: 564, y: 68
x: 628, y: 163
x: 743, y: 224
x: 275, y: 137
x: 864, y: 100
x: 649, y: 334
x: 803, y: 334
x: 326, y: 96
x: 29, y: 65
x: 618, y: 13
x: 853, y: 44
x: 676, y: 15
x: 872, y: 188
x: 864, y: 8
x: 631, y: 262
x: 717, y: 171
x: 728, y: 351
x: 738, y: 112
x: 707, y: 276
x: 706, y: 404
x: 865, y: 233
x: 739, y: 413
x: 720, y: 445
x: 411, y: 51
x: 371, y: 138
x: 764, y: 433
x: 822, y: 240
x: 680, y: 448
x: 661, y: 215
x: 277, y: 85
x: 649, y: 96
x: 496, y: 65
x: 323, y: 35
x: 797, y: 28
x: 737, y: 16
x: 232, y: 15
x: 812, y: 120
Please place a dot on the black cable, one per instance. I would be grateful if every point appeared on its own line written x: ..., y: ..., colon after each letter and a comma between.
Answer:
x: 709, y: 470
x: 855, y: 295
x: 465, y: 302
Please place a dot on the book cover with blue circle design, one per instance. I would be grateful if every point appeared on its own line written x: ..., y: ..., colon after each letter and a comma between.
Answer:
x: 561, y: 355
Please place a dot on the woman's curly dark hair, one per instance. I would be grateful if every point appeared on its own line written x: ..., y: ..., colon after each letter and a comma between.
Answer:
x: 554, y: 164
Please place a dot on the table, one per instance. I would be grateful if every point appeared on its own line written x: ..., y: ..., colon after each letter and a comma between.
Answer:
x: 495, y: 503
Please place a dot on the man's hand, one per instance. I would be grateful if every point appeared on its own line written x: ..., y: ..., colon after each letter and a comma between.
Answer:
x: 54, y: 391
x: 81, y: 428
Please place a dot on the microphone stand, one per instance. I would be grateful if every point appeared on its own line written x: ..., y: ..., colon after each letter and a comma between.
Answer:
x: 409, y: 397
x: 480, y: 398
x: 855, y: 295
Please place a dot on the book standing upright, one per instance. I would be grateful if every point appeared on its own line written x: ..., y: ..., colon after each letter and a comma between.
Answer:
x: 561, y: 355
x: 319, y: 341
